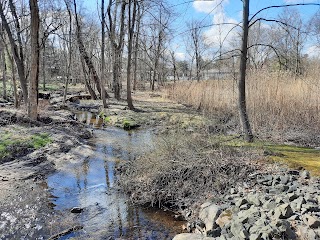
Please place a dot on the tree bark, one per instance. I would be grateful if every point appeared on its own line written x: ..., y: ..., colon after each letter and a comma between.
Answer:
x: 136, y: 51
x: 131, y: 26
x: 103, y: 33
x: 117, y: 47
x: 17, y: 55
x: 4, y: 67
x: 84, y: 54
x: 69, y: 54
x: 242, y: 81
x: 34, y: 72
x: 88, y: 86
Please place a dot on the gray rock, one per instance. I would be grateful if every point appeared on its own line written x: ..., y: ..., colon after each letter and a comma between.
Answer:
x: 292, y: 196
x: 253, y: 199
x: 299, y: 201
x: 238, y: 230
x: 292, y: 188
x: 294, y: 172
x: 311, y: 221
x: 209, y: 213
x: 255, y: 236
x: 233, y: 191
x: 281, y: 188
x: 305, y: 174
x: 76, y: 210
x: 279, y: 200
x: 310, y: 207
x: 284, y: 179
x: 284, y: 211
x: 191, y: 236
x: 214, y: 233
x: 306, y: 233
x: 269, y: 204
x: 241, y: 201
x: 224, y: 218
x: 245, y: 206
x: 285, y: 230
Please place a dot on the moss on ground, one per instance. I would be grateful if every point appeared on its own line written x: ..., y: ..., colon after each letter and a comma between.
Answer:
x: 14, y: 144
x: 293, y: 156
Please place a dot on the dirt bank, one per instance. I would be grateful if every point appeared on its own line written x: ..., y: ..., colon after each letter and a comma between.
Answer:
x: 29, y: 151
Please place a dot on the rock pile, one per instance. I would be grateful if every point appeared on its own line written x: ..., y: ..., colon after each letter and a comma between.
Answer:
x: 283, y: 206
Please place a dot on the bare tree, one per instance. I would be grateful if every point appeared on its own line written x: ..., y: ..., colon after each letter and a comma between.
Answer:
x: 132, y: 12
x: 116, y: 36
x: 4, y: 66
x: 34, y: 74
x: 84, y: 54
x: 17, y: 50
x: 69, y: 52
x: 197, y: 46
x: 103, y: 33
x: 242, y: 80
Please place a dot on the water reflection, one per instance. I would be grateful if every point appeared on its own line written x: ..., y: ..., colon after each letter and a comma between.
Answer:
x: 90, y: 119
x: 90, y: 184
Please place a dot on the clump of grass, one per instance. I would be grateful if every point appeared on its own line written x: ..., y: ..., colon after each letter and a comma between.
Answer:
x: 40, y: 140
x: 107, y: 119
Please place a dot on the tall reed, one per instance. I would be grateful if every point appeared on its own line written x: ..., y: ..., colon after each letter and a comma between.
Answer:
x: 277, y: 101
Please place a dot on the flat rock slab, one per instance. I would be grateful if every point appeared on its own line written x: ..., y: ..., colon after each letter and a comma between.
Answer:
x: 191, y: 236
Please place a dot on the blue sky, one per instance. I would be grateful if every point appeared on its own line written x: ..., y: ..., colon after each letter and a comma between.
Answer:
x: 216, y: 11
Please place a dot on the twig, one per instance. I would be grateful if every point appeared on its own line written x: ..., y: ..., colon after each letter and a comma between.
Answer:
x: 66, y: 232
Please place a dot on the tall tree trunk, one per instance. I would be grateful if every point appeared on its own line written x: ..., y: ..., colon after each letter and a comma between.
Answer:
x: 88, y: 86
x: 18, y: 56
x: 69, y: 54
x: 117, y: 47
x: 4, y: 68
x: 136, y: 48
x: 242, y: 81
x: 103, y: 33
x: 84, y: 54
x: 34, y: 74
x: 44, y: 68
x: 14, y: 83
x: 131, y: 26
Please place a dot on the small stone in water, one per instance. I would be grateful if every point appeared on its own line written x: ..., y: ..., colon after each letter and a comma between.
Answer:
x: 76, y: 210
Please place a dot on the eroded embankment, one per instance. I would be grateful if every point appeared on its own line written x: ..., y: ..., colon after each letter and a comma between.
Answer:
x: 29, y: 150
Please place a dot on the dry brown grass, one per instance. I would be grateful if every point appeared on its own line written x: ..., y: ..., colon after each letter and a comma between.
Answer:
x: 279, y: 105
x: 186, y: 169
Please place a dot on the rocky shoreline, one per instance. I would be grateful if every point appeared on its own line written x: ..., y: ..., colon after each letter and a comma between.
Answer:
x: 275, y: 206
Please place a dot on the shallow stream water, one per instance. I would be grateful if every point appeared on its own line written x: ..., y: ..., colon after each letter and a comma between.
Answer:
x: 91, y: 184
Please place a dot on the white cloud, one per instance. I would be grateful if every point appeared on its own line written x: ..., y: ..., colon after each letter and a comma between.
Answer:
x: 180, y: 56
x: 219, y: 31
x: 313, y: 51
x: 299, y: 1
x: 208, y: 6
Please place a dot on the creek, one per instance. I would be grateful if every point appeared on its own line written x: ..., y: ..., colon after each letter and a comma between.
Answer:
x: 91, y: 184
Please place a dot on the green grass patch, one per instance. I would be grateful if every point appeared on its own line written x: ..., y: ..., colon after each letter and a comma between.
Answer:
x: 107, y: 119
x: 12, y: 145
x: 40, y: 140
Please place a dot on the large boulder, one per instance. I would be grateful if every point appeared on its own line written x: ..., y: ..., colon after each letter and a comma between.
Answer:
x: 209, y: 213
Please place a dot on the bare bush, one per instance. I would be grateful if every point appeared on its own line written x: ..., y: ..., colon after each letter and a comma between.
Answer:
x: 185, y: 169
